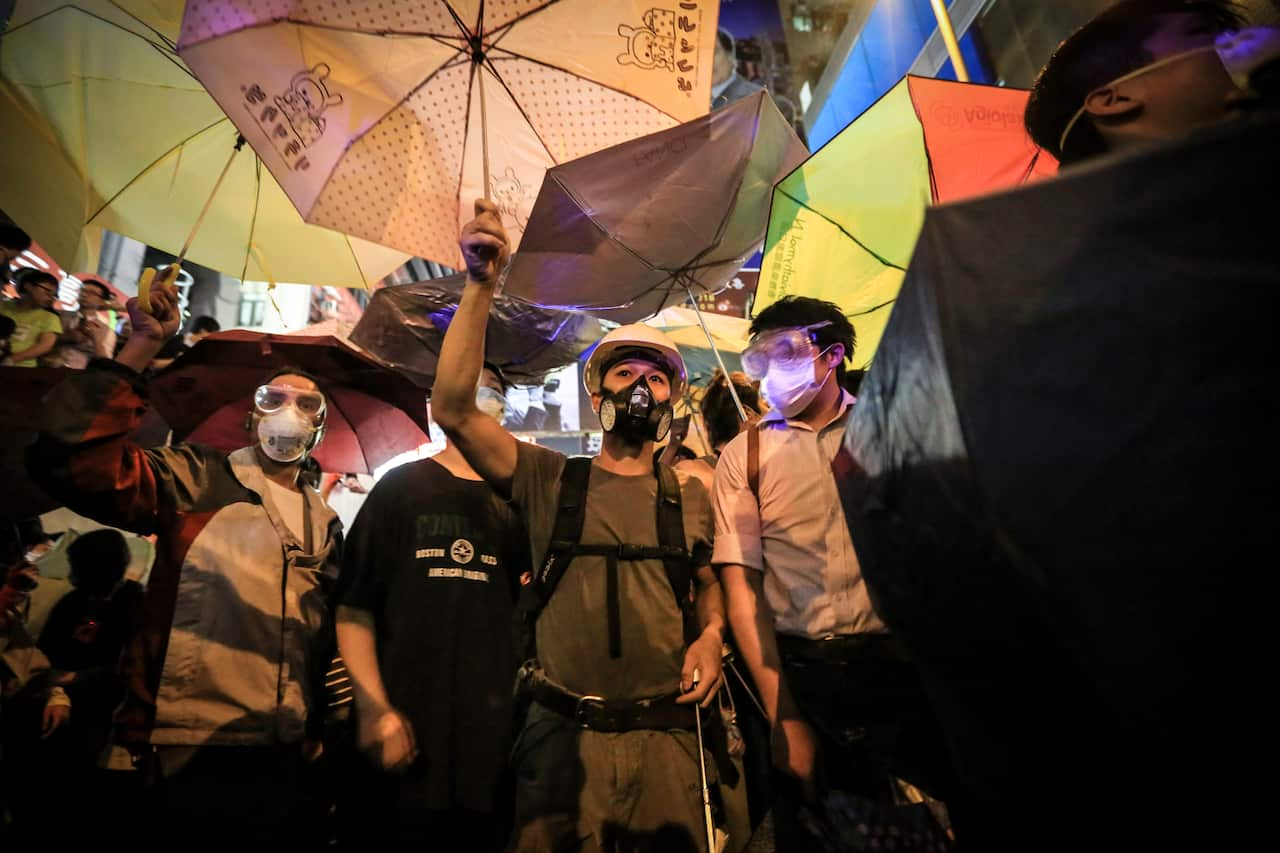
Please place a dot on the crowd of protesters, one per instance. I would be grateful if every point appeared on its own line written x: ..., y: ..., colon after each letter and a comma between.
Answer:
x: 508, y: 648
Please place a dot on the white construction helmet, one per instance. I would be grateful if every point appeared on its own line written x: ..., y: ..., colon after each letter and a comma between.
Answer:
x: 635, y: 336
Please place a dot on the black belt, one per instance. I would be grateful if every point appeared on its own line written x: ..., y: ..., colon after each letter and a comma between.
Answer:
x: 605, y: 715
x: 843, y: 647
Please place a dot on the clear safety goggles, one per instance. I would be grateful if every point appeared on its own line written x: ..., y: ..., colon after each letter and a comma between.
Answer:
x: 272, y: 398
x: 781, y: 347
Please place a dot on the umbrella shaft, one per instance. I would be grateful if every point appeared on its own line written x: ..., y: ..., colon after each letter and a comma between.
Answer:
x: 948, y: 34
x: 209, y: 202
x: 708, y: 818
x: 733, y: 392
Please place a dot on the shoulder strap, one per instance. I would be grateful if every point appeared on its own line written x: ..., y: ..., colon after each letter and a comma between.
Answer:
x: 567, y: 531
x: 675, y: 555
x: 753, y: 460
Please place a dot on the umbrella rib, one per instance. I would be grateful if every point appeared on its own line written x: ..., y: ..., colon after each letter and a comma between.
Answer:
x: 873, y: 308
x: 253, y: 220
x: 151, y: 166
x: 173, y: 60
x: 462, y: 27
x: 96, y: 17
x: 529, y: 121
x: 362, y: 134
x: 172, y: 44
x: 842, y: 230
x: 346, y: 238
x: 503, y: 30
x: 622, y: 92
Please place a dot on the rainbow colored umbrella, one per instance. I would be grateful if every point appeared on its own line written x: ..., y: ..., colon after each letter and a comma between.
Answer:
x: 843, y: 225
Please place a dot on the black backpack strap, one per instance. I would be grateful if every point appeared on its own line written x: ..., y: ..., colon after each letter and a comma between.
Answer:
x: 676, y: 558
x: 567, y: 531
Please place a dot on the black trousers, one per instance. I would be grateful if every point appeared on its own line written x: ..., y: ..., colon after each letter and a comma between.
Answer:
x: 873, y: 721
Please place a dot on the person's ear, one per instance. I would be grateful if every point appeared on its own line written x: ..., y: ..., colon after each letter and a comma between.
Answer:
x: 1112, y: 101
x: 835, y: 355
x: 596, y: 399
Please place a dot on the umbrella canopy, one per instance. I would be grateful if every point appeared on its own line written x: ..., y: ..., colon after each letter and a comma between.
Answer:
x: 728, y: 335
x: 404, y: 326
x: 1057, y: 463
x: 386, y: 119
x: 632, y: 229
x: 131, y: 141
x: 842, y: 226
x: 374, y: 413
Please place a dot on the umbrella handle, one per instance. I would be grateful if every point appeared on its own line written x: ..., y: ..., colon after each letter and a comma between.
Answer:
x: 733, y: 392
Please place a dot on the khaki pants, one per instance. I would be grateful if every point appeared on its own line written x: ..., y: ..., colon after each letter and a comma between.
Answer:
x: 579, y: 790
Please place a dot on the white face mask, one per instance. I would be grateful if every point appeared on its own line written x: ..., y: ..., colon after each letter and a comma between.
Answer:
x: 491, y: 402
x: 790, y: 390
x: 285, y: 435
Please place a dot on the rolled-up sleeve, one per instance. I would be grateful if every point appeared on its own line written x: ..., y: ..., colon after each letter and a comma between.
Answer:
x: 737, y: 514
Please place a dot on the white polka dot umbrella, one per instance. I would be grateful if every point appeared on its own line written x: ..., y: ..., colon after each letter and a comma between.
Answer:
x: 385, y: 118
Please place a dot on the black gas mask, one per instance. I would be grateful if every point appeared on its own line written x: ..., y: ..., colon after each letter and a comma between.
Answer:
x: 633, y: 413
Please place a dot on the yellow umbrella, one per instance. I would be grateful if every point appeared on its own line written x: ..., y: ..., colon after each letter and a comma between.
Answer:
x: 136, y: 144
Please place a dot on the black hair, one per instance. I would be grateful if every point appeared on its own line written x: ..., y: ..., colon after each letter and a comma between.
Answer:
x: 636, y: 353
x: 30, y: 277
x: 1108, y: 47
x: 13, y: 237
x: 497, y: 371
x: 98, y: 560
x: 793, y: 311
x: 100, y: 285
x: 31, y: 532
x: 719, y: 414
x: 205, y: 323
x: 724, y: 39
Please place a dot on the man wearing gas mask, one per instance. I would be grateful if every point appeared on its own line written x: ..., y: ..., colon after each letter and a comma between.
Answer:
x: 800, y: 610
x: 425, y: 605
x: 225, y: 666
x: 624, y: 612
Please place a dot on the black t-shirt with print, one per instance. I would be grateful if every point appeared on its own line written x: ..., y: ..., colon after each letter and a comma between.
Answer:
x: 437, y: 560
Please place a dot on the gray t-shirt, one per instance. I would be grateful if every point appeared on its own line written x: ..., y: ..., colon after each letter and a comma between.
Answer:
x: 573, y: 630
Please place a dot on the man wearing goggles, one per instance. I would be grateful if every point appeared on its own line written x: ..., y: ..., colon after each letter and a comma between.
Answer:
x: 1142, y: 71
x: 225, y: 667
x: 288, y: 417
x: 800, y: 611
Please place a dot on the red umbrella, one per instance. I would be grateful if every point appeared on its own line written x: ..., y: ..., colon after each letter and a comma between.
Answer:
x: 374, y: 413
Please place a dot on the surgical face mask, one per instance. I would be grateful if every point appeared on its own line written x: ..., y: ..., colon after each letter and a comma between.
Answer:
x: 491, y: 402
x: 285, y: 435
x: 789, y: 386
x: 1241, y: 53
x: 634, y: 414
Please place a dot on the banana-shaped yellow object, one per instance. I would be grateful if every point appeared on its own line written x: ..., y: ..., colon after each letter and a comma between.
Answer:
x: 150, y: 278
